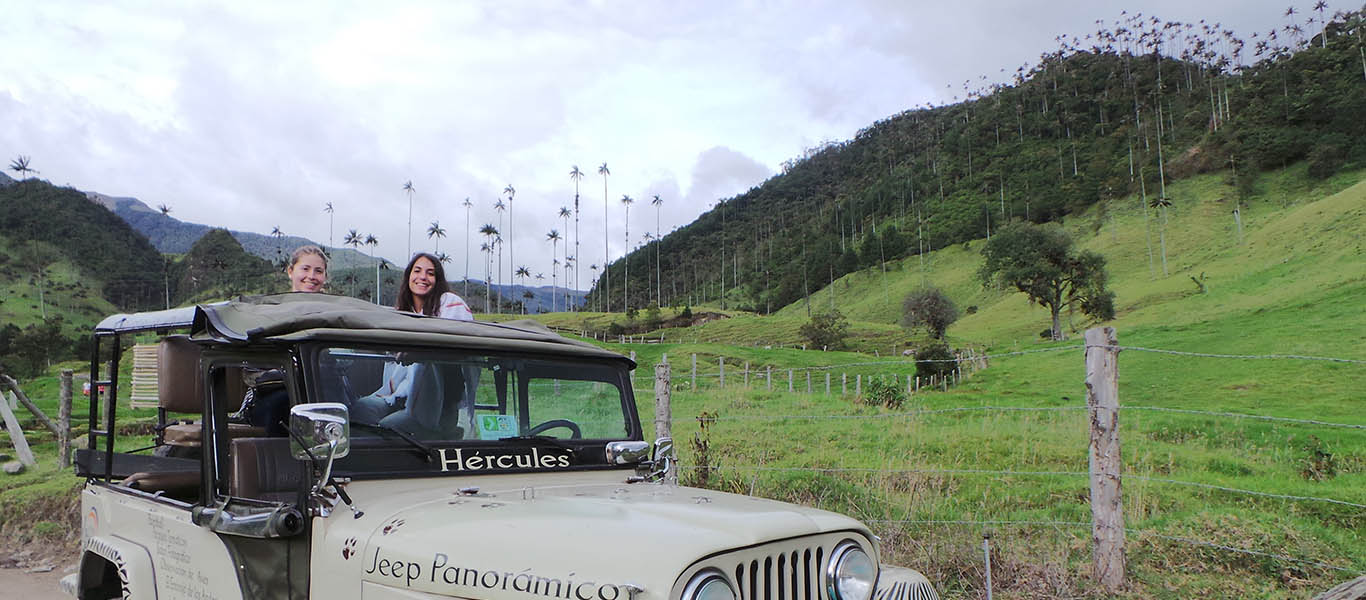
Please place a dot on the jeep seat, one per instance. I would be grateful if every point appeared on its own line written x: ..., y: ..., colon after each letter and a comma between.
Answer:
x: 180, y: 389
x: 263, y: 468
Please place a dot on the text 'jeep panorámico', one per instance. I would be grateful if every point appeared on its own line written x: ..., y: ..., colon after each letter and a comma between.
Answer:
x: 314, y: 446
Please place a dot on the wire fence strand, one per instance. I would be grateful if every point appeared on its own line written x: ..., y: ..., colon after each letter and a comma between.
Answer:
x: 1009, y: 473
x: 1128, y: 530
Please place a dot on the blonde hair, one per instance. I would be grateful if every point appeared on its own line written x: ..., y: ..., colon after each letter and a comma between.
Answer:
x: 301, y: 251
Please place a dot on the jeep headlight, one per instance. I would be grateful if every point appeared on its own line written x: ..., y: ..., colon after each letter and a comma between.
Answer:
x: 708, y: 585
x: 851, y: 573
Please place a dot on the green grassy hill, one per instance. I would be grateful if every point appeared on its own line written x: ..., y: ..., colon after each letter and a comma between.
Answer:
x: 1218, y: 504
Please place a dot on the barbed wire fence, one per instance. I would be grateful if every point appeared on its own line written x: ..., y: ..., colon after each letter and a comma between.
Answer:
x: 1105, y: 569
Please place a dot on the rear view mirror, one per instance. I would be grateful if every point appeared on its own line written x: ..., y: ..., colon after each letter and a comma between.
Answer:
x: 627, y: 452
x: 324, y: 426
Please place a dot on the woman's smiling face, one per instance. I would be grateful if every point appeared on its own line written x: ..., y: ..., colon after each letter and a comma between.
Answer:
x: 308, y: 274
x: 422, y: 277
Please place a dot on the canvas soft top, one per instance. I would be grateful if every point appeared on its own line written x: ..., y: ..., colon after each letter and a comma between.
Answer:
x: 306, y: 317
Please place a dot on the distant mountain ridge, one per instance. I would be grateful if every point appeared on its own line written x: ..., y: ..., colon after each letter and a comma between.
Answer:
x: 173, y: 236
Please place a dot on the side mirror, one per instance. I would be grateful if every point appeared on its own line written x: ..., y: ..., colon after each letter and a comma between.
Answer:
x: 324, y: 426
x: 627, y: 453
x: 664, y: 466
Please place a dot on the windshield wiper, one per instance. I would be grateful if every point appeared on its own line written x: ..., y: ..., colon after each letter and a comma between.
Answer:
x: 427, y: 451
x: 544, y: 439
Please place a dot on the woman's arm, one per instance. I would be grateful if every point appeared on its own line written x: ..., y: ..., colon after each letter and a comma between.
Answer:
x: 454, y: 307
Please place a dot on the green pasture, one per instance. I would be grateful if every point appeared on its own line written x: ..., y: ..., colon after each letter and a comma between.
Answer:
x: 1245, y: 476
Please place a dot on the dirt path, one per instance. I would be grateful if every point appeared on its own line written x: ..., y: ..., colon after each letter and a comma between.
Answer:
x: 20, y: 583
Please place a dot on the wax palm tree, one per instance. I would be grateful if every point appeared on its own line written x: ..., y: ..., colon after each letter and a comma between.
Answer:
x: 568, y: 263
x: 354, y: 240
x: 372, y: 241
x: 165, y: 210
x: 511, y: 192
x: 443, y: 257
x: 606, y: 251
x: 594, y: 268
x: 501, y: 207
x: 659, y: 285
x: 646, y: 238
x: 527, y: 296
x: 328, y: 209
x: 467, y: 205
x: 1323, y: 39
x: 435, y: 231
x: 498, y: 245
x: 279, y: 251
x: 487, y: 249
x: 554, y: 237
x: 21, y: 165
x: 627, y: 201
x: 564, y: 216
x: 490, y: 233
x: 408, y: 187
x: 1162, y: 203
x: 576, y: 175
x: 522, y: 273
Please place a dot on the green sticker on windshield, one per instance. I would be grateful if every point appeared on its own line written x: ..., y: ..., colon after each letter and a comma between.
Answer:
x: 492, y: 427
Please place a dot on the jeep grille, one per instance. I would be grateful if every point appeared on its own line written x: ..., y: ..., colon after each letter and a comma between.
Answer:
x: 795, y: 569
x: 786, y: 575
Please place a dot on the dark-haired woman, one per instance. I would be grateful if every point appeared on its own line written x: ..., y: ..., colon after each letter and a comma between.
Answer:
x: 428, y: 293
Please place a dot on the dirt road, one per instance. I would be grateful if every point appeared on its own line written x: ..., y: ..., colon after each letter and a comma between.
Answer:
x: 20, y: 583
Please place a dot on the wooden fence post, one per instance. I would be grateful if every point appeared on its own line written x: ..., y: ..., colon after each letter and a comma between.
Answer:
x: 1107, y: 505
x: 827, y: 383
x: 770, y: 378
x: 721, y: 362
x: 808, y: 383
x: 664, y: 411
x: 64, y: 421
x: 789, y: 380
x: 858, y: 385
x: 16, y: 436
x: 6, y: 380
x: 844, y: 384
x: 694, y: 372
x: 746, y: 374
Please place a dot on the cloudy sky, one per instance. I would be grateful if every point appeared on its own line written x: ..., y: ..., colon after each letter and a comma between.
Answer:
x: 252, y: 115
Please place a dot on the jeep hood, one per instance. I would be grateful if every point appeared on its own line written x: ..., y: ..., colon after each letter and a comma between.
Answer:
x: 602, y: 532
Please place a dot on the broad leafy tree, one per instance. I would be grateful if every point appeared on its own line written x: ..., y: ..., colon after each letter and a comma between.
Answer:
x: 1039, y: 261
x: 826, y: 330
x: 930, y: 308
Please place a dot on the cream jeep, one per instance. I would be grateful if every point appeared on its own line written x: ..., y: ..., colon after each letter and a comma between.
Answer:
x: 311, y: 446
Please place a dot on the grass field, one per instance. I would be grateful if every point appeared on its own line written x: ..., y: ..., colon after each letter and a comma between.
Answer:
x: 1218, y: 505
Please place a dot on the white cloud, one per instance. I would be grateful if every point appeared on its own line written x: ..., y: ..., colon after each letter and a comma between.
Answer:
x: 252, y: 115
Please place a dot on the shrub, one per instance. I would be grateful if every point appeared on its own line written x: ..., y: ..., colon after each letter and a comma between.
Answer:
x: 826, y: 329
x: 935, y: 359
x: 878, y: 392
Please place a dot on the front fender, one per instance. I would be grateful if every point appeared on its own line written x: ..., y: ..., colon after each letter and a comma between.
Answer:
x: 131, y: 562
x: 901, y: 583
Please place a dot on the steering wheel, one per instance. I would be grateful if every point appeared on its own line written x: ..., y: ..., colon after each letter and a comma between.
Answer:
x: 574, y: 431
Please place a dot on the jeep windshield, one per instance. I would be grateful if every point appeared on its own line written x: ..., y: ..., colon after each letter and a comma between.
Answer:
x: 416, y: 411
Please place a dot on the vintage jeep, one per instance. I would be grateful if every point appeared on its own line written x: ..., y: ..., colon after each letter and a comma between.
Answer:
x: 313, y: 446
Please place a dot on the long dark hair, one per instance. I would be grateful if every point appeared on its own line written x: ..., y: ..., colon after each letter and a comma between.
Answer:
x: 433, y: 298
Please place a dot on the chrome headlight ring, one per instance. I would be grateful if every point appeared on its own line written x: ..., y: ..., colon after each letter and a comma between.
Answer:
x: 851, y: 573
x: 709, y: 584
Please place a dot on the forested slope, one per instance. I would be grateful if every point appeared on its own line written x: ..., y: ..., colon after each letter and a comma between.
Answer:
x: 1127, y: 110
